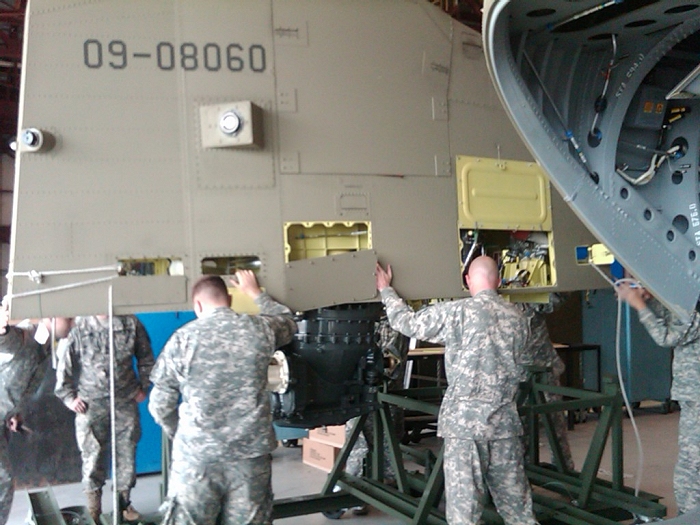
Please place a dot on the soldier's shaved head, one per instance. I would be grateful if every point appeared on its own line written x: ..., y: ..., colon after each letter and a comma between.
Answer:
x: 208, y: 293
x: 483, y: 275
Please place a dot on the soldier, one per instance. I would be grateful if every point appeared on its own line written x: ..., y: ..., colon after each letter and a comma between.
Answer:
x: 222, y: 430
x: 668, y: 330
x: 541, y: 352
x: 484, y: 338
x: 82, y: 383
x: 24, y: 350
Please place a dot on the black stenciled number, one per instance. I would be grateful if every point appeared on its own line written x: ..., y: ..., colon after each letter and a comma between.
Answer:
x: 212, y: 57
x: 117, y: 48
x: 188, y: 56
x: 235, y: 63
x: 258, y: 61
x: 92, y: 53
x: 166, y: 56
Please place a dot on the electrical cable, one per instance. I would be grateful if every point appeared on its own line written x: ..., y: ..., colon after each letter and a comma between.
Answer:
x: 471, y: 251
x: 638, y: 439
x: 568, y: 134
x: 601, y: 101
x: 628, y: 406
x: 657, y: 160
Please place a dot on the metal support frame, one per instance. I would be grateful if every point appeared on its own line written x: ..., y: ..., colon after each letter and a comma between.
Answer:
x: 563, y: 497
x: 590, y: 500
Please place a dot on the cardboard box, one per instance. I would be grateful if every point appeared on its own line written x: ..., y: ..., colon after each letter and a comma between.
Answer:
x: 319, y: 455
x: 331, y: 435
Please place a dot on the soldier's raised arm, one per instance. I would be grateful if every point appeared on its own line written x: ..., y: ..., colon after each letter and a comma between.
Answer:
x: 277, y: 316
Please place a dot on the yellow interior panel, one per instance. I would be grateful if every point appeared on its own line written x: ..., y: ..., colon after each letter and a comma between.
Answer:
x: 502, y: 195
x: 309, y: 240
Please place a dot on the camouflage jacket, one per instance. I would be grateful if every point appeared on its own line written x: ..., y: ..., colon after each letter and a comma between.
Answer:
x: 218, y: 365
x: 83, y: 359
x: 23, y: 363
x: 540, y: 350
x: 668, y: 330
x: 484, y: 338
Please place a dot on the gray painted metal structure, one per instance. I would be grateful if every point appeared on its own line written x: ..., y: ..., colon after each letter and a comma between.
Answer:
x: 586, y: 84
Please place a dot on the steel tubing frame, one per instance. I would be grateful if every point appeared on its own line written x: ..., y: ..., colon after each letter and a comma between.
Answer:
x: 591, y: 500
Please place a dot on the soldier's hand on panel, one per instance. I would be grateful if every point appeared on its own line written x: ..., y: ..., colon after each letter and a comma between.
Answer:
x: 246, y: 282
x: 383, y: 277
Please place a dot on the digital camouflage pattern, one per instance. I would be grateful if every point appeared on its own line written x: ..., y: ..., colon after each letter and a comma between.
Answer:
x: 83, y: 365
x: 23, y: 362
x: 247, y: 484
x: 92, y: 431
x: 686, y: 475
x: 472, y: 466
x: 7, y: 489
x: 541, y: 352
x: 218, y: 365
x: 394, y: 347
x: 668, y: 330
x: 484, y: 338
x: 83, y: 371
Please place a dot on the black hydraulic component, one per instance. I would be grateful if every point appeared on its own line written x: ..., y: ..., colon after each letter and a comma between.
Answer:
x: 335, y: 366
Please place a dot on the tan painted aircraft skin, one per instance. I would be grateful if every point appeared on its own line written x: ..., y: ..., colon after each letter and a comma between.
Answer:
x: 304, y: 139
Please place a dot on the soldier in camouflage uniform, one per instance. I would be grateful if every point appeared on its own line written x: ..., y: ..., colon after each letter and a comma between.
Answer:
x: 668, y: 330
x: 484, y: 338
x: 222, y: 429
x: 24, y: 350
x: 541, y: 352
x: 82, y: 383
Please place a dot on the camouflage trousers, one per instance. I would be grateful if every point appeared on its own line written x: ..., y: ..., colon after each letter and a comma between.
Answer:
x: 354, y: 464
x: 473, y: 467
x: 686, y: 476
x: 7, y: 489
x: 92, y: 431
x: 219, y: 491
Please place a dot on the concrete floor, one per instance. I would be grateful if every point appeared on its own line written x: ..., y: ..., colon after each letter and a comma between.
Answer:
x: 292, y: 478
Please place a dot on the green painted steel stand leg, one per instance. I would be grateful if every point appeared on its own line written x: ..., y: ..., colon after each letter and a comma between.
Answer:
x: 395, y: 453
x: 342, y: 458
x: 617, y: 446
x: 377, y: 451
x: 610, y: 416
x: 433, y: 491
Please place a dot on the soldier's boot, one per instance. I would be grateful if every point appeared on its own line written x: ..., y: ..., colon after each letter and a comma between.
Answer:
x: 94, y: 504
x: 129, y: 513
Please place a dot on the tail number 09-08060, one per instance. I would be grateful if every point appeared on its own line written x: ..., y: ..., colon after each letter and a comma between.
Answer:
x: 168, y: 56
